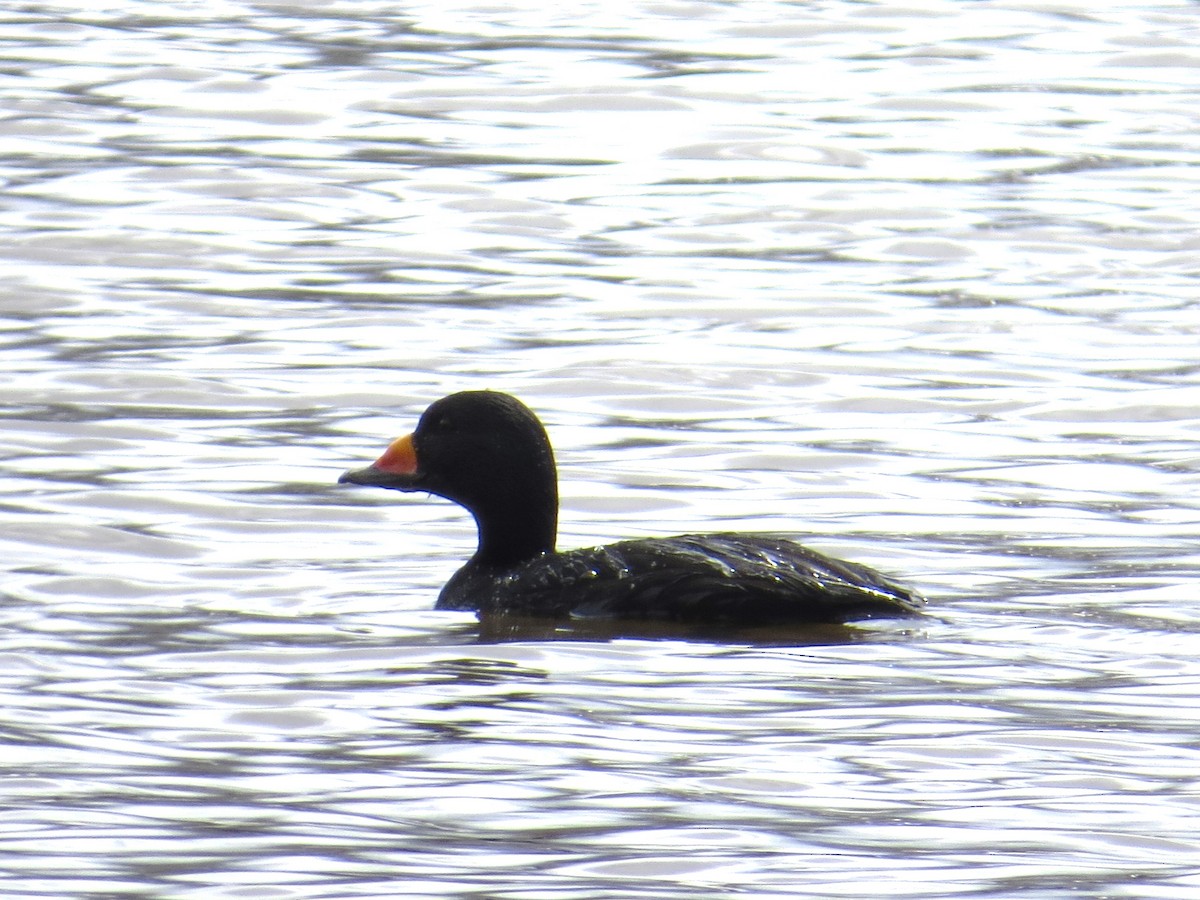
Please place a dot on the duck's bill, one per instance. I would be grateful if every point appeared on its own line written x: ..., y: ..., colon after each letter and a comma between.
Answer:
x: 397, y: 468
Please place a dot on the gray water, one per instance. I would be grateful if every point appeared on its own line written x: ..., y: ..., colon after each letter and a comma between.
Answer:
x: 916, y: 284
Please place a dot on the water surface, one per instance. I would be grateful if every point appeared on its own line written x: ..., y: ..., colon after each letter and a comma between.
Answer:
x: 913, y: 284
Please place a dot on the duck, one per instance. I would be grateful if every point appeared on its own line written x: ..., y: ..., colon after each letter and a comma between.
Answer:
x: 488, y: 452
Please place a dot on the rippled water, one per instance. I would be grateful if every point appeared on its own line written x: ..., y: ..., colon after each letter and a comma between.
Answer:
x: 915, y: 283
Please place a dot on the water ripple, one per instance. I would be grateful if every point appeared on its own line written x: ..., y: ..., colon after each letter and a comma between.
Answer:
x: 833, y: 272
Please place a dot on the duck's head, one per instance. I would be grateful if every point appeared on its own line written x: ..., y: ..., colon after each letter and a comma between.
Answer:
x: 488, y: 452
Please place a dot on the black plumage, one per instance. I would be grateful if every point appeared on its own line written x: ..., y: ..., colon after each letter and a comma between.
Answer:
x: 488, y: 452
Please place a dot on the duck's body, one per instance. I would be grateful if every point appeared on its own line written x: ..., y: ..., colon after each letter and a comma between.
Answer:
x: 720, y: 579
x: 488, y: 452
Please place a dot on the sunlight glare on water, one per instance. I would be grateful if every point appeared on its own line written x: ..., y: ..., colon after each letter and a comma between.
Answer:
x: 915, y: 284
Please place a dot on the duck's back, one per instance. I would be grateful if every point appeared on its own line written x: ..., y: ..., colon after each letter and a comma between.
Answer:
x: 720, y: 579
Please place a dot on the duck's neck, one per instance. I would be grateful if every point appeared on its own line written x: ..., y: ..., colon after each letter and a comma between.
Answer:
x: 514, y: 541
